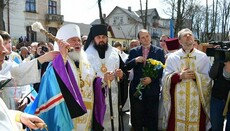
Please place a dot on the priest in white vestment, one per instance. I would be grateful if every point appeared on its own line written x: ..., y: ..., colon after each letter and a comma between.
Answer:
x: 105, y: 59
x: 14, y: 97
x: 10, y: 119
x: 186, y: 88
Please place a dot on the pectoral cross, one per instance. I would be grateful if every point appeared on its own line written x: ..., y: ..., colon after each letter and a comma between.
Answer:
x: 187, y: 59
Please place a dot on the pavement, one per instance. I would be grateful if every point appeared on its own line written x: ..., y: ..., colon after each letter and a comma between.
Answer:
x: 127, y: 123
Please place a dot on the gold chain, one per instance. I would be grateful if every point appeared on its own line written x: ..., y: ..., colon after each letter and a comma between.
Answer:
x: 82, y: 83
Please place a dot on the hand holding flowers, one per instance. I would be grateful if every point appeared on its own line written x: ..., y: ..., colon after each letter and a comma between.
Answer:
x: 150, y: 70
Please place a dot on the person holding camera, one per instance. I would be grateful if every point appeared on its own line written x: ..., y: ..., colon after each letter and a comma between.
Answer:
x: 220, y: 73
x: 41, y: 50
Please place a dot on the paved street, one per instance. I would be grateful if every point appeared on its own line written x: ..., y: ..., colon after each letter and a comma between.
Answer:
x: 127, y: 124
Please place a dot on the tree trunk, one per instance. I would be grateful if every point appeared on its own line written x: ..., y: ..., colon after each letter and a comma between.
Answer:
x: 2, y: 25
x: 142, y: 16
x: 206, y: 21
x: 178, y: 19
x: 225, y: 19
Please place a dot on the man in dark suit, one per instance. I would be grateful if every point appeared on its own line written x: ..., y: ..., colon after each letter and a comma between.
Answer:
x: 144, y: 112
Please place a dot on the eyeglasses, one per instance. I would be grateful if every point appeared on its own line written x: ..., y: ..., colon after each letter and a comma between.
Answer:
x: 162, y: 40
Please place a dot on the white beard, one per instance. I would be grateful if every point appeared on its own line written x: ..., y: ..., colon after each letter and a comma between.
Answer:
x: 78, y: 56
x: 74, y: 55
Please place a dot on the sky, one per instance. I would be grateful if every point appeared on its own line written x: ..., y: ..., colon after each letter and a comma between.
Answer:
x: 86, y: 11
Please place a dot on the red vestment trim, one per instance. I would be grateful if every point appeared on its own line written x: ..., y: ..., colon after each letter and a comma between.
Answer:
x: 171, y: 122
x: 51, y: 103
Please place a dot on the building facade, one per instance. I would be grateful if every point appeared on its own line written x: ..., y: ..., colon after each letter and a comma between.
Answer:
x: 126, y: 23
x: 23, y: 13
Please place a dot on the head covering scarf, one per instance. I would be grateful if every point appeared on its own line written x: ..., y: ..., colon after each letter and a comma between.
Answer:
x: 95, y: 30
x: 66, y: 32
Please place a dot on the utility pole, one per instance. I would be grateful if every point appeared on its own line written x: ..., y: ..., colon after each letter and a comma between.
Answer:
x: 8, y: 16
x: 172, y: 21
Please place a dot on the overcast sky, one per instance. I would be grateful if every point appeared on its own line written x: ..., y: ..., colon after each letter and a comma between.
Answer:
x: 86, y: 11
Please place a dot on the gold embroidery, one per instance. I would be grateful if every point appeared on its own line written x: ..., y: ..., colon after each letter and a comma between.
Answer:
x: 87, y: 81
x: 187, y: 59
x: 181, y: 92
x: 187, y: 106
x: 103, y: 68
x: 187, y: 110
x: 81, y: 81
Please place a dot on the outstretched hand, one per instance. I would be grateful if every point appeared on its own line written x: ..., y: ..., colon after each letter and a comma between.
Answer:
x: 32, y: 121
x: 47, y: 57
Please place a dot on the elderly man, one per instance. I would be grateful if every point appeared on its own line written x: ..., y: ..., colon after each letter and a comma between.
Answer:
x: 71, y: 77
x: 186, y: 87
x: 106, y: 61
x: 29, y: 74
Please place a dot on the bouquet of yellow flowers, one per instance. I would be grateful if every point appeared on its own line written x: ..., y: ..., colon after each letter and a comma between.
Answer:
x: 150, y: 69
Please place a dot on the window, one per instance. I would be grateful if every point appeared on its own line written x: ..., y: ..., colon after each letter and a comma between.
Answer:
x: 53, y: 31
x: 30, y: 6
x: 114, y: 21
x: 52, y: 7
x: 31, y: 35
x: 121, y: 20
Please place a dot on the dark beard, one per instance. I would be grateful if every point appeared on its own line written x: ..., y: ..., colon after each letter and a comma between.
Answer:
x: 101, y: 48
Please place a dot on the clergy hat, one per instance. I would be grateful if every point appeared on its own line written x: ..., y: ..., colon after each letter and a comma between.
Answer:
x: 66, y: 32
x: 172, y: 44
x: 95, y: 30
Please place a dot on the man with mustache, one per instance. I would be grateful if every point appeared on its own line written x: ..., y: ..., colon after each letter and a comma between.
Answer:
x: 106, y: 61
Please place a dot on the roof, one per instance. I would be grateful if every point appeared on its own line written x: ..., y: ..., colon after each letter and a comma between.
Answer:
x: 149, y: 12
x: 85, y: 28
x: 96, y: 21
x: 132, y: 14
x: 117, y: 33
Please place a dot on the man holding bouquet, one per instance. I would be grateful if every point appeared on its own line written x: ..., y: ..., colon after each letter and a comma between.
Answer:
x: 145, y: 87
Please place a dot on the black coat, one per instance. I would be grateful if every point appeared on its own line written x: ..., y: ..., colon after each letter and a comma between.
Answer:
x: 221, y: 86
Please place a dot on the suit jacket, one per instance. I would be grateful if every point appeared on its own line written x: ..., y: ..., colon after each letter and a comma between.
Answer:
x: 154, y: 53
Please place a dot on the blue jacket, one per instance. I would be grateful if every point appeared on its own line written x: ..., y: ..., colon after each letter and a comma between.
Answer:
x: 154, y: 53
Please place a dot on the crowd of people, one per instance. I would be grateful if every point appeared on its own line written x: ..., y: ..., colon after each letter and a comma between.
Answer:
x: 84, y: 83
